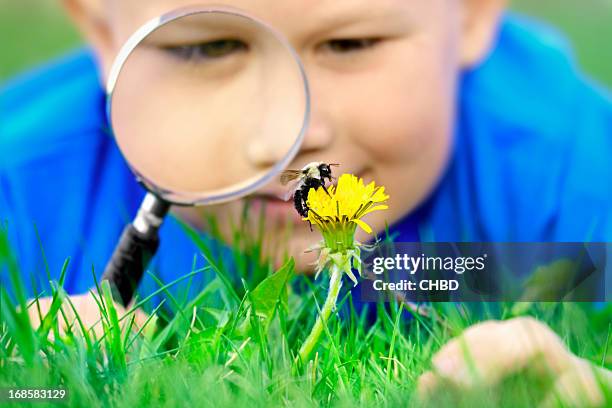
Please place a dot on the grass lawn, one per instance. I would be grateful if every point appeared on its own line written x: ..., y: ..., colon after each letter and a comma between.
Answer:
x: 235, y: 345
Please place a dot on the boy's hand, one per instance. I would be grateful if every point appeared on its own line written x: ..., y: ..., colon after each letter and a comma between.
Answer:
x: 88, y: 310
x: 491, y: 351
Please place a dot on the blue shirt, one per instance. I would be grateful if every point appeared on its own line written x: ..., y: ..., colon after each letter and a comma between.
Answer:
x: 531, y: 162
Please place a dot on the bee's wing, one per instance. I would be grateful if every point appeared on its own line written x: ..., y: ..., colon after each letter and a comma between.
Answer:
x: 292, y: 186
x: 289, y: 175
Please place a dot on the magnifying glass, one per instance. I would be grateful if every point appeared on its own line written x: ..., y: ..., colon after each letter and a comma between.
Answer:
x: 206, y: 105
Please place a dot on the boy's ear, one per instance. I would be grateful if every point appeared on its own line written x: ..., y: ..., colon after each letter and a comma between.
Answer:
x: 479, y: 29
x: 91, y: 18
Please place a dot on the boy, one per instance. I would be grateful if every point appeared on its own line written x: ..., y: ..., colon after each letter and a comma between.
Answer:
x: 476, y: 122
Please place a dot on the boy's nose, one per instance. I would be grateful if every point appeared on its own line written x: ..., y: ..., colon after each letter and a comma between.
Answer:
x: 317, y: 138
x: 318, y: 135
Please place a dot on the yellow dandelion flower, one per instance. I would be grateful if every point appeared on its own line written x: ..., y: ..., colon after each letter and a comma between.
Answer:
x: 337, y: 216
x: 338, y: 213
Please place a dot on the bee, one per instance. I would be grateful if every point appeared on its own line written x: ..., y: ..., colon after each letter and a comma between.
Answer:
x: 312, y: 175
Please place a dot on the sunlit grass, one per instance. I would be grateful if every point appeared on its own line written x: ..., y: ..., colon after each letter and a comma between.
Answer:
x: 235, y: 344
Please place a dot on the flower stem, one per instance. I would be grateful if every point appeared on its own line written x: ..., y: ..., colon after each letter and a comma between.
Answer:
x: 335, y: 281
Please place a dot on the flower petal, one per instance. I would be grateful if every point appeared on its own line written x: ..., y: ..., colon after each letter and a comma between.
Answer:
x: 375, y: 208
x: 363, y: 225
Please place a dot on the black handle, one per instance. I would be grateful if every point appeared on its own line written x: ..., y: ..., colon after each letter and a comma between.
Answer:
x: 129, y: 261
x: 137, y: 245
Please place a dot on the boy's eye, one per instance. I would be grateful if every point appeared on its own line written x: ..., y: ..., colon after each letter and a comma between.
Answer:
x: 347, y: 45
x: 207, y: 50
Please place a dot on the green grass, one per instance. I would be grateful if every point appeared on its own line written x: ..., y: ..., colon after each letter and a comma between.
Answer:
x: 234, y: 344
x: 32, y: 32
x: 586, y: 25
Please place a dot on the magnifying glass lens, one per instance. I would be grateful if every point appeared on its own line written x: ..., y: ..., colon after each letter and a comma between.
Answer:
x: 208, y: 106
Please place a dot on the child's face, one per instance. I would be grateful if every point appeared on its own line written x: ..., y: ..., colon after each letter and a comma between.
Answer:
x: 382, y: 75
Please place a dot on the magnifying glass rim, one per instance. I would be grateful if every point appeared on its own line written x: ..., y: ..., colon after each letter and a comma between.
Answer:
x: 220, y: 196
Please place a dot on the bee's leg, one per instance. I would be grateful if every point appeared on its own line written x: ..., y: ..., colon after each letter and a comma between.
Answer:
x: 325, y: 188
x: 306, y: 209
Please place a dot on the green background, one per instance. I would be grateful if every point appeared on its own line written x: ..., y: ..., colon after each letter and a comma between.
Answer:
x: 32, y: 31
